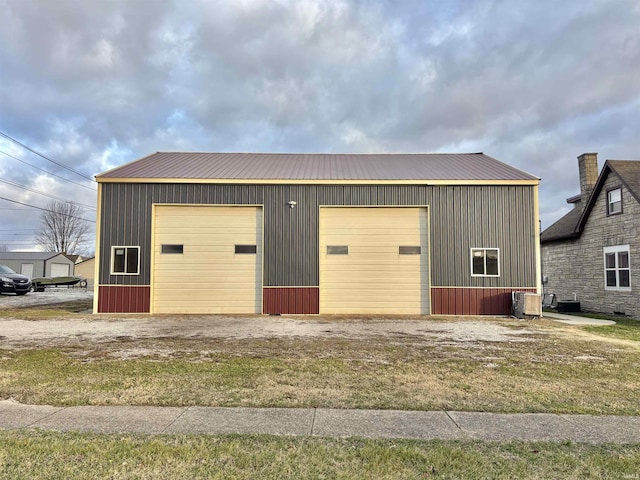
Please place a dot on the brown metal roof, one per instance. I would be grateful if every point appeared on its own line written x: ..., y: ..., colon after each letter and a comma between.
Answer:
x: 306, y: 166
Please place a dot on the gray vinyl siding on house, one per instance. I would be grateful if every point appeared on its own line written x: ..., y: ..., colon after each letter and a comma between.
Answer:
x: 461, y: 217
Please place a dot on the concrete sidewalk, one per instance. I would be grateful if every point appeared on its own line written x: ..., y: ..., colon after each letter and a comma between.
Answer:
x: 576, y: 320
x: 323, y: 422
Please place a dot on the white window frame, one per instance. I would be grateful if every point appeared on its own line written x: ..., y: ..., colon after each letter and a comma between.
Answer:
x: 484, y: 256
x: 113, y: 259
x: 610, y: 203
x: 615, y: 250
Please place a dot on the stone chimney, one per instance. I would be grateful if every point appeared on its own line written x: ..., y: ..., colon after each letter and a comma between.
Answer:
x: 588, y: 168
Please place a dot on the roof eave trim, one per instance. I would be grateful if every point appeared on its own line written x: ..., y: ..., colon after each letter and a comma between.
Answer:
x: 266, y: 181
x: 593, y: 196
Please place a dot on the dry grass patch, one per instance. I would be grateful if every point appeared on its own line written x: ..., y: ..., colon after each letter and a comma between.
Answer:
x: 552, y: 372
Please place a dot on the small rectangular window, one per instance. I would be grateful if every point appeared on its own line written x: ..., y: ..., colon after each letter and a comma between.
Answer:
x: 409, y: 250
x: 485, y: 262
x: 614, y: 201
x: 172, y: 248
x: 337, y: 250
x: 125, y: 260
x: 246, y: 249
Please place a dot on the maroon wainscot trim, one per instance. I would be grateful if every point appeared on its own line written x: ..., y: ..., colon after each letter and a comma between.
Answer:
x: 292, y: 300
x: 123, y: 299
x: 472, y: 301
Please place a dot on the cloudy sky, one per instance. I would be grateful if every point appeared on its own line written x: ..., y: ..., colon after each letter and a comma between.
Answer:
x: 93, y: 84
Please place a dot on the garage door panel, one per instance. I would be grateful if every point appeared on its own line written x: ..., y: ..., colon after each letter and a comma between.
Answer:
x: 220, y: 280
x: 59, y: 269
x: 238, y: 291
x: 373, y: 277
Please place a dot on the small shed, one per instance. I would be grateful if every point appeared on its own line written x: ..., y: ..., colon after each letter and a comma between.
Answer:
x: 38, y: 264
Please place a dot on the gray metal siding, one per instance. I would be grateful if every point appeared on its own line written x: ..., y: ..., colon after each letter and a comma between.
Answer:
x: 461, y: 217
x: 16, y: 266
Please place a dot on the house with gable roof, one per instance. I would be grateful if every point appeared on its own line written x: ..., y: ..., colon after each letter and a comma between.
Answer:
x: 590, y: 254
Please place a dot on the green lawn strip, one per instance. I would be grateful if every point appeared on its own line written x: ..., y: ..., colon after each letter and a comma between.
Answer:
x: 625, y: 329
x: 56, y: 455
x: 425, y: 380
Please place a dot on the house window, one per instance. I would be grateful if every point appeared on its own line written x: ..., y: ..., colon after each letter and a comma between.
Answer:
x: 485, y: 262
x: 617, y: 268
x: 614, y: 201
x: 125, y: 260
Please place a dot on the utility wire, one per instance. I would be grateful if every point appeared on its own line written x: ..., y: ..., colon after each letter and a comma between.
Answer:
x: 45, y: 157
x: 47, y: 172
x: 14, y: 184
x: 46, y: 209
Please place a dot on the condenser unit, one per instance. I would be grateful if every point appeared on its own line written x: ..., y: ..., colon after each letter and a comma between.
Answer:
x: 526, y: 305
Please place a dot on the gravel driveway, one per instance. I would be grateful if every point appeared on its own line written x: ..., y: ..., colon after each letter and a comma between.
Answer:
x: 50, y: 296
x: 89, y: 328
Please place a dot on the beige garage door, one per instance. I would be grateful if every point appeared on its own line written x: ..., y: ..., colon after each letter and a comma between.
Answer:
x: 59, y: 270
x: 374, y: 260
x: 207, y: 259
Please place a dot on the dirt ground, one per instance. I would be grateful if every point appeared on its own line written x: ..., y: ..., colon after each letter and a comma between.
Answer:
x: 88, y: 328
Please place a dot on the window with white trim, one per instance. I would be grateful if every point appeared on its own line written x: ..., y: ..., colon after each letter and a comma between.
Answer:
x: 125, y: 260
x: 485, y: 262
x: 617, y: 268
x: 614, y: 201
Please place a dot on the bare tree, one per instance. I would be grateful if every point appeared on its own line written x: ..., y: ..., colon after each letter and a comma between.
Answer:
x: 62, y: 228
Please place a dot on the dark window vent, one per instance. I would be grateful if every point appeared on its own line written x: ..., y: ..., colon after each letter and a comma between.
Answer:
x: 179, y: 249
x: 337, y: 250
x: 246, y: 249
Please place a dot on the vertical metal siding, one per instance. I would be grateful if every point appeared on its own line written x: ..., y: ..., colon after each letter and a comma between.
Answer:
x: 461, y: 217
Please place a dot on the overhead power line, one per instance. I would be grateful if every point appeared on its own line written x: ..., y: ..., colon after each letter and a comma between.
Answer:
x: 45, y: 157
x: 47, y: 172
x: 46, y: 209
x: 24, y: 187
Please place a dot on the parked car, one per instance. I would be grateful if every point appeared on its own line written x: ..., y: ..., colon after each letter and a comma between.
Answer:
x: 12, y: 282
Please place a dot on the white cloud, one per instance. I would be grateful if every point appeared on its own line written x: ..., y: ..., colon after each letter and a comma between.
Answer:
x: 532, y: 83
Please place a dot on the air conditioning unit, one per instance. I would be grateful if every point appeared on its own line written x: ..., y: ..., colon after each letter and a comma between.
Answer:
x: 526, y: 305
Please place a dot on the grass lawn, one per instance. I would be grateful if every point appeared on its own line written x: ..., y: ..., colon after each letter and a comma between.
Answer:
x: 558, y: 369
x: 625, y: 328
x: 51, y: 455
